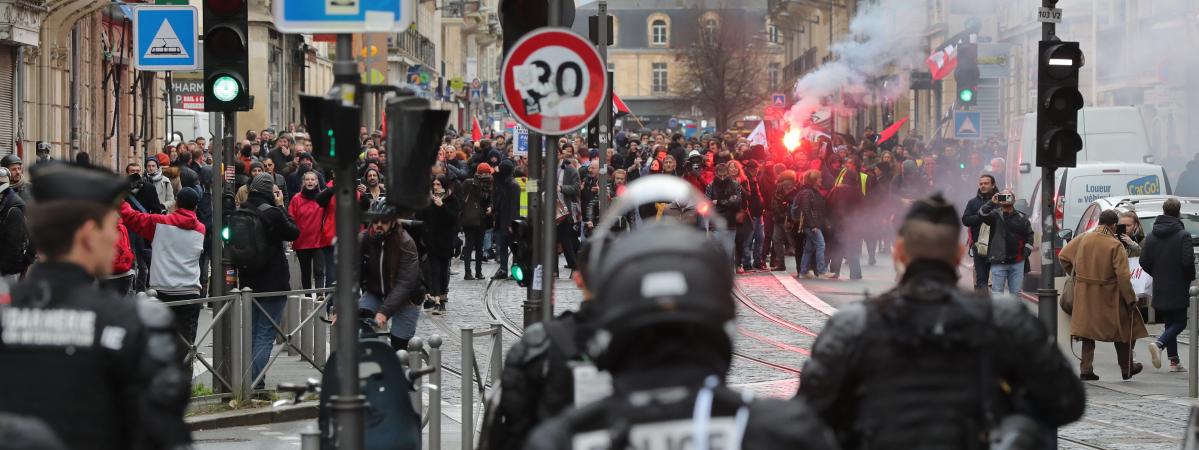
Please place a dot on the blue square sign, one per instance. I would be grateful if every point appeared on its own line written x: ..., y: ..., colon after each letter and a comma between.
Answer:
x: 342, y: 16
x: 967, y: 125
x: 165, y: 38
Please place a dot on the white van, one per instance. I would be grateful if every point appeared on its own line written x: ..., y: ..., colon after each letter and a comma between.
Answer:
x: 190, y: 124
x: 1109, y: 134
x: 1078, y: 187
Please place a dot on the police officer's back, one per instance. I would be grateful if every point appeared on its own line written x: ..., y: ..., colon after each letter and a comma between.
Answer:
x: 100, y: 369
x: 927, y: 365
x: 664, y: 314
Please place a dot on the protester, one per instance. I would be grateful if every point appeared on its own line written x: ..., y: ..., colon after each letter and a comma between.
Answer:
x: 440, y: 229
x: 16, y: 253
x: 569, y: 213
x: 754, y: 244
x: 313, y: 210
x: 785, y: 235
x: 161, y: 184
x: 844, y: 206
x: 506, y: 196
x: 1010, y: 242
x: 1104, y: 300
x: 1169, y: 257
x: 726, y: 196
x: 810, y: 215
x: 1133, y: 236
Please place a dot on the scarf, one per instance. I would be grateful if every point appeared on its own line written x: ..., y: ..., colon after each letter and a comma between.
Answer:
x: 309, y: 193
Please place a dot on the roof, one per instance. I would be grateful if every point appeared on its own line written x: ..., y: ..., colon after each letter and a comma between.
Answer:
x: 1149, y: 205
x: 632, y: 19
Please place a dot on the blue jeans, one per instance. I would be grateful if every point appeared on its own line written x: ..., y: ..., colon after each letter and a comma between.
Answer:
x: 1010, y: 275
x: 728, y: 239
x: 330, y: 265
x: 1176, y: 321
x: 487, y: 240
x: 263, y: 334
x: 813, y: 253
x: 501, y: 250
x: 753, y: 235
x: 403, y: 323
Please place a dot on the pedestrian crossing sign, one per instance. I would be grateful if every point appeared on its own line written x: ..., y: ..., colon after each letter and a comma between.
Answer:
x: 166, y: 38
x: 967, y: 125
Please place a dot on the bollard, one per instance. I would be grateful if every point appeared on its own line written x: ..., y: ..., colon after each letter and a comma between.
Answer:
x: 1193, y: 348
x: 414, y: 363
x: 310, y: 438
x: 468, y: 392
x: 291, y: 311
x: 497, y: 354
x: 305, y: 334
x: 435, y: 393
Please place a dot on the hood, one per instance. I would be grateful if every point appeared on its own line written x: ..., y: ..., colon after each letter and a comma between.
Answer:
x: 1166, y: 226
x: 189, y: 222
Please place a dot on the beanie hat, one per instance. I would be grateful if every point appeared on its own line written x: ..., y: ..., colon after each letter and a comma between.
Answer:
x: 163, y: 160
x: 187, y: 198
x: 484, y: 168
x: 257, y: 164
x: 264, y: 184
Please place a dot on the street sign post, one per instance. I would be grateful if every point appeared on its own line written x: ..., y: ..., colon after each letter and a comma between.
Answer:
x: 166, y: 38
x: 553, y: 81
x: 778, y: 100
x: 967, y: 125
x: 342, y: 16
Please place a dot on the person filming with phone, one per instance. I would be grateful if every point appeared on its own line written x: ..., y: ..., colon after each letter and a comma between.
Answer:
x: 1010, y: 242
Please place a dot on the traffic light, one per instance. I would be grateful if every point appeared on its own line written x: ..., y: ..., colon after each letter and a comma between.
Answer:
x: 966, y: 75
x: 226, y: 56
x: 520, y: 244
x: 1058, y: 102
x: 332, y: 128
x: 519, y: 17
x: 414, y: 132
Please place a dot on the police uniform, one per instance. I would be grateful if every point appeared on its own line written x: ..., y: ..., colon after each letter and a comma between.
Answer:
x: 664, y: 311
x: 102, y: 370
x: 930, y: 366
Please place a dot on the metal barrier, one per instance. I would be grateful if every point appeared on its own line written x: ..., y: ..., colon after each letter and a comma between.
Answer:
x: 238, y: 309
x: 416, y: 358
x: 471, y: 372
x: 1193, y: 347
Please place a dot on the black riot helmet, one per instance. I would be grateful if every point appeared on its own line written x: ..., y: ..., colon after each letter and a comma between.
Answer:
x: 664, y: 276
x: 380, y: 210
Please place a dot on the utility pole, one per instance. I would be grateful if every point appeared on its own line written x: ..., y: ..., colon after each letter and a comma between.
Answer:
x: 533, y: 304
x: 1047, y: 294
x: 549, y: 190
x: 348, y: 405
x: 605, y: 113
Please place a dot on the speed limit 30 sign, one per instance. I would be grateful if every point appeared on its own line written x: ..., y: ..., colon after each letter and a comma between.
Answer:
x: 553, y: 81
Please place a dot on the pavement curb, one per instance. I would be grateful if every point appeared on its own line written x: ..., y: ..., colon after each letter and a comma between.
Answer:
x: 251, y: 417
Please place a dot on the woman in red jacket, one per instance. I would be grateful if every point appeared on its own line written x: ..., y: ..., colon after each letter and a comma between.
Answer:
x: 312, y: 209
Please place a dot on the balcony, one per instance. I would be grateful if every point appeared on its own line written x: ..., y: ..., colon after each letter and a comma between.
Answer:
x: 801, y: 65
x: 459, y: 9
x: 413, y: 45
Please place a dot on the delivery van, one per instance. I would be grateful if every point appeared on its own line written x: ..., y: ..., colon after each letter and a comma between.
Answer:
x: 189, y: 125
x: 1109, y: 134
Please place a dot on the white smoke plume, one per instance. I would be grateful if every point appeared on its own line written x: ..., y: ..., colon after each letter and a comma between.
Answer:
x: 883, y: 36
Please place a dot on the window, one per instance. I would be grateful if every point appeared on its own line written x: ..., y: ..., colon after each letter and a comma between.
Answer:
x: 658, y: 34
x: 775, y: 36
x: 773, y: 74
x: 659, y: 78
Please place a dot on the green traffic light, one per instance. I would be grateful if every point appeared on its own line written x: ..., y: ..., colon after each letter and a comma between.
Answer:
x: 332, y: 144
x: 966, y: 95
x: 225, y: 233
x: 518, y: 274
x: 225, y: 88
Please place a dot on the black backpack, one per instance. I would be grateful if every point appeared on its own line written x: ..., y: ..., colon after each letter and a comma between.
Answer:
x: 247, y: 243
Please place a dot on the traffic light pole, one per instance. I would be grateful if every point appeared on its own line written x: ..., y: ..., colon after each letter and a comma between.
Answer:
x: 549, y: 189
x: 222, y: 337
x: 605, y: 112
x: 1047, y: 294
x: 532, y: 305
x: 348, y: 405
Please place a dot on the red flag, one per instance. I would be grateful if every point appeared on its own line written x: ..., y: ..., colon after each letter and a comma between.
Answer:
x: 942, y: 62
x: 476, y: 134
x: 618, y: 106
x: 891, y: 131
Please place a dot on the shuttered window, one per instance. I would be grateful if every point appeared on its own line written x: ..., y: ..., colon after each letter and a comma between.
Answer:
x: 7, y: 108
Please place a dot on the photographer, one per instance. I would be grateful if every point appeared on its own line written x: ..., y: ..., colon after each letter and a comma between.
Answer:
x: 696, y: 171
x: 973, y: 220
x: 1010, y: 242
x: 144, y: 192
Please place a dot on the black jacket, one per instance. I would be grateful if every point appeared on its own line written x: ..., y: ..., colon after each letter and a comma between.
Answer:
x: 1169, y: 257
x: 275, y: 276
x: 476, y: 198
x: 754, y: 198
x: 440, y: 227
x: 971, y: 217
x: 808, y: 209
x: 726, y: 195
x: 106, y: 374
x: 15, y: 252
x: 391, y: 269
x: 506, y: 201
x: 1011, y: 234
x: 906, y: 369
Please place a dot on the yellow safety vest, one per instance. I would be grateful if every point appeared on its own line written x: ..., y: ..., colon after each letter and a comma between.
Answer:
x: 841, y: 176
x: 524, y: 197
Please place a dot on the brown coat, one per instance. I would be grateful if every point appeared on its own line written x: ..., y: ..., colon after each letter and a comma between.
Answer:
x: 1103, y: 295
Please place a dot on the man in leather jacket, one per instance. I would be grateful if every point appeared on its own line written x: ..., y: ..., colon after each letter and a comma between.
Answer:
x: 927, y: 365
x: 663, y: 334
x: 101, y: 369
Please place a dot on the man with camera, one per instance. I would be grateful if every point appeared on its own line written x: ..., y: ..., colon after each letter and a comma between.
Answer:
x: 979, y: 237
x: 1010, y: 242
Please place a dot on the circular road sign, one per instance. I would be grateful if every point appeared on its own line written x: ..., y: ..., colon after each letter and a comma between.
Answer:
x: 553, y: 81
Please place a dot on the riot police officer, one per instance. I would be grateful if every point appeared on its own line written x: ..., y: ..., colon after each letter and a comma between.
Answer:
x: 546, y: 372
x: 100, y: 369
x: 664, y: 314
x: 928, y: 365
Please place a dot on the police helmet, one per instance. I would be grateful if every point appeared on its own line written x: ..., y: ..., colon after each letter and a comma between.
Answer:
x: 381, y: 210
x: 661, y: 274
x: 9, y: 160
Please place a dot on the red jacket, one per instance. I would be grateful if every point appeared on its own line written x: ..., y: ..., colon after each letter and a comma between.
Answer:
x: 123, y: 261
x: 316, y: 222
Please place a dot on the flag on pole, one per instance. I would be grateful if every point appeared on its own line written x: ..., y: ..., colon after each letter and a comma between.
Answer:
x: 476, y: 134
x: 758, y: 136
x: 942, y: 62
x: 891, y: 131
x: 618, y: 106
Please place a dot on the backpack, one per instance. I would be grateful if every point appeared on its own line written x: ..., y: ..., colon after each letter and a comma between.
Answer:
x: 247, y: 243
